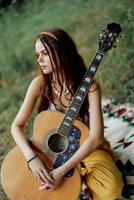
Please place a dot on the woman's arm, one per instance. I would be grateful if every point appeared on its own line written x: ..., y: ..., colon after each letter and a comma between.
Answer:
x: 96, y: 130
x: 17, y: 127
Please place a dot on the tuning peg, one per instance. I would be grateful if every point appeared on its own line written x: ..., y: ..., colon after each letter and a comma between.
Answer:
x: 117, y: 40
x: 100, y: 34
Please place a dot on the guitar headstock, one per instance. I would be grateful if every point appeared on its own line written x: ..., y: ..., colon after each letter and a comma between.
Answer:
x: 111, y: 33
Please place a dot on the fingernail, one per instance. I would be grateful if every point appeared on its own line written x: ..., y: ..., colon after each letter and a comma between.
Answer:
x: 42, y: 187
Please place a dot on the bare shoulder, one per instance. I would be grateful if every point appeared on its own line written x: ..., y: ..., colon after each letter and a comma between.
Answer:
x: 37, y: 81
x: 36, y: 86
x: 28, y: 104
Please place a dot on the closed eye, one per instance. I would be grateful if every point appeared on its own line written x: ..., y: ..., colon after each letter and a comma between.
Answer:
x: 43, y: 53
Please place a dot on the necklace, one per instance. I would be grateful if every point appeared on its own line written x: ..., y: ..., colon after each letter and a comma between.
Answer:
x: 64, y: 92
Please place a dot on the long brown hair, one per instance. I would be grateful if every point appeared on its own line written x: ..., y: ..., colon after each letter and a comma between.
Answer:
x: 71, y: 67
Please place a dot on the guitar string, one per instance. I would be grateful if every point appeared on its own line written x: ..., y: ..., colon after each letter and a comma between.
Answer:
x: 67, y: 131
x: 56, y: 141
x: 65, y: 92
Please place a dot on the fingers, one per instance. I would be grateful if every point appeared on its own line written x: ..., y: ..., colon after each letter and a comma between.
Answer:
x: 40, y: 175
x: 49, y: 178
x: 43, y: 176
x: 37, y: 175
x: 47, y: 186
x: 39, y: 171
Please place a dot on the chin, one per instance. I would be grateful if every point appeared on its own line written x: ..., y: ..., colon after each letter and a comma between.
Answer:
x: 46, y: 71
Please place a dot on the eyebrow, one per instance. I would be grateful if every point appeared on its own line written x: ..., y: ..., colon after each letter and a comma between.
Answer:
x: 42, y: 51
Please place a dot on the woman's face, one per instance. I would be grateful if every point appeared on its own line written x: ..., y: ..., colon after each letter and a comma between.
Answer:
x: 43, y: 57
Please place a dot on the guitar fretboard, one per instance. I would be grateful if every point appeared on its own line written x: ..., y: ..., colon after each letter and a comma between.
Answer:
x: 80, y: 95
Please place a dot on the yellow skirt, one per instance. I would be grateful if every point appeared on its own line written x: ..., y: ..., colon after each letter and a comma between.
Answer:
x: 101, y: 175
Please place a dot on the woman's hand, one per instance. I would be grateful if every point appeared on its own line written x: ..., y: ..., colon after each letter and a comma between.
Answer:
x: 57, y: 174
x: 39, y: 170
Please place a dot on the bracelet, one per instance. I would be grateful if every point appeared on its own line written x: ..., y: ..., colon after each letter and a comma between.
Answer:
x: 30, y: 161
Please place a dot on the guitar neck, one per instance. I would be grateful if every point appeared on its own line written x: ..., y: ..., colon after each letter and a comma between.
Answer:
x: 80, y: 95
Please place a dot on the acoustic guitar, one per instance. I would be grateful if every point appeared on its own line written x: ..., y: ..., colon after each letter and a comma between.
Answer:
x: 56, y: 137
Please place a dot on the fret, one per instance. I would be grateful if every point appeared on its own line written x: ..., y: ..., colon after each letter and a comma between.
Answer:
x: 80, y: 93
x: 70, y: 113
x: 95, y: 62
x: 74, y: 109
x: 85, y: 84
x: 63, y: 127
x: 63, y: 132
x: 66, y: 124
x: 97, y: 59
x: 76, y: 103
x: 90, y: 74
x: 102, y: 53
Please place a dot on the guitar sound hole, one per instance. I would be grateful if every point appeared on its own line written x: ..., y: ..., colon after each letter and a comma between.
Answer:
x: 57, y: 143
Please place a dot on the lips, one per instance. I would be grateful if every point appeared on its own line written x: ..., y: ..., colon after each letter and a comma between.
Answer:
x: 43, y: 67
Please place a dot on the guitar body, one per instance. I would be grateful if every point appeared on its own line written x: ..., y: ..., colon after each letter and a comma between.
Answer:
x: 18, y: 181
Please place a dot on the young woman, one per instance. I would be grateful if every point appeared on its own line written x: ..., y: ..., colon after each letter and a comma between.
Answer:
x: 62, y: 70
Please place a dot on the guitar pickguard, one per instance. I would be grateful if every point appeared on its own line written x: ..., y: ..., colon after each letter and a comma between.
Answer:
x: 73, y: 145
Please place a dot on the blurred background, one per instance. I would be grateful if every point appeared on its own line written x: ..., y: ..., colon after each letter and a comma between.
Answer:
x: 21, y: 21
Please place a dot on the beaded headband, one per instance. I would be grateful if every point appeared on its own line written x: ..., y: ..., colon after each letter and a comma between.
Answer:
x: 50, y: 34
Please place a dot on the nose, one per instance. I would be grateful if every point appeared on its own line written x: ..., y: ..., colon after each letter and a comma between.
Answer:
x: 40, y: 58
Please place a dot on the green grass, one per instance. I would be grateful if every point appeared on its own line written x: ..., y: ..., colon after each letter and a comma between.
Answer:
x: 83, y: 20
